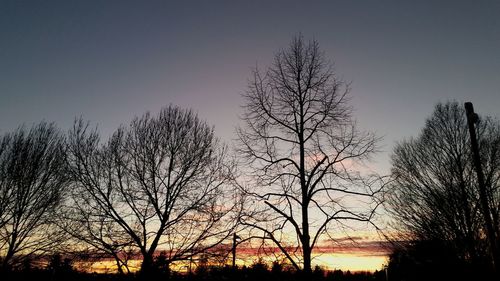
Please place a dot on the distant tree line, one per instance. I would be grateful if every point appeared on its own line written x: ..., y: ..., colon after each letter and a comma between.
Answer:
x: 60, y: 269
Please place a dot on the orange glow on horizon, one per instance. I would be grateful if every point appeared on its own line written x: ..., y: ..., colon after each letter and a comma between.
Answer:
x: 350, y: 262
x: 329, y: 259
x: 355, y: 260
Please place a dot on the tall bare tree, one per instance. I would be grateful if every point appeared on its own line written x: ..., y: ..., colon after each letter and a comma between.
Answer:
x: 435, y: 194
x: 161, y: 182
x: 32, y: 182
x: 301, y: 144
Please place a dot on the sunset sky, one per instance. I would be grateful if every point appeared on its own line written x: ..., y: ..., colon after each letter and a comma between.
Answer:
x: 109, y: 61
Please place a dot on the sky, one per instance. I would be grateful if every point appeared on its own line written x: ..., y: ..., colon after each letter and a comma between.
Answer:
x: 109, y: 61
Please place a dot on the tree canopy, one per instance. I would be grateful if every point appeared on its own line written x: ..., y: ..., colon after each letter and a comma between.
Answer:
x: 435, y: 194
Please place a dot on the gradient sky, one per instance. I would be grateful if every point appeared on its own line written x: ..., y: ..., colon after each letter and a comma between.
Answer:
x: 112, y: 60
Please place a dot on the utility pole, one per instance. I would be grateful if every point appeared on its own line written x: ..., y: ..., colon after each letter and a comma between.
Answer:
x: 473, y: 118
x: 235, y: 238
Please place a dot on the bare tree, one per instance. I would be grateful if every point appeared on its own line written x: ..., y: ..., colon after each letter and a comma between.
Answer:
x: 161, y: 182
x: 32, y: 182
x: 301, y: 144
x: 435, y: 195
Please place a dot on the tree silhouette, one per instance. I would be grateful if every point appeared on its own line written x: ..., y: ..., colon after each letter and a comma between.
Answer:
x: 32, y: 182
x: 161, y: 182
x: 435, y: 193
x: 301, y: 143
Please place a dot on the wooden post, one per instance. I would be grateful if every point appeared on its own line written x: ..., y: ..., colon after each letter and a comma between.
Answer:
x: 235, y: 238
x: 473, y: 118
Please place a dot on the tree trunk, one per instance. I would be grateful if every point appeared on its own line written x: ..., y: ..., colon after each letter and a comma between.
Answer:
x: 7, y: 258
x: 147, y: 266
x: 306, y: 249
x: 306, y: 246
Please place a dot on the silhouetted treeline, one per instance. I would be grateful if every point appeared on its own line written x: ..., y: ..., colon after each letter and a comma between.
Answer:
x: 60, y: 269
x: 434, y: 260
x: 165, y: 182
